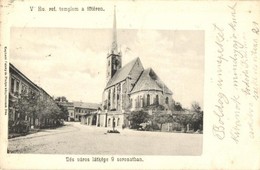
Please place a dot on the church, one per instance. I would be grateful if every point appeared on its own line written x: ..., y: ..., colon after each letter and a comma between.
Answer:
x: 129, y: 88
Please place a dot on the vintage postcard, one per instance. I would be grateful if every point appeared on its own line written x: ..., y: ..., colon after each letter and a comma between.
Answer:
x: 130, y: 85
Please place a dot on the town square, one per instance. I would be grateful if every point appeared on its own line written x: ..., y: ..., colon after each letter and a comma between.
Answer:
x: 74, y: 138
x: 114, y: 101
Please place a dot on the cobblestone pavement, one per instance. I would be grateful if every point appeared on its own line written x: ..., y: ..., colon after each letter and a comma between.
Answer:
x: 74, y: 138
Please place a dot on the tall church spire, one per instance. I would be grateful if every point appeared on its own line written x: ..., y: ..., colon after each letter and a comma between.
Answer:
x: 114, y: 59
x: 114, y: 42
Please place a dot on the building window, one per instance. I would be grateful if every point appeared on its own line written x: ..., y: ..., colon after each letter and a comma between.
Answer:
x: 114, y: 96
x: 17, y: 86
x: 118, y: 120
x: 157, y: 100
x: 24, y: 88
x: 167, y: 100
x: 12, y: 85
x: 108, y: 62
x: 148, y: 99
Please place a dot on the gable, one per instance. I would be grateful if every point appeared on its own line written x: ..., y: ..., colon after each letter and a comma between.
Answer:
x: 150, y: 81
x: 131, y: 69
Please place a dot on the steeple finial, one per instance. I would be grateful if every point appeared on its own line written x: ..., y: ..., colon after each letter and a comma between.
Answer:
x: 114, y: 43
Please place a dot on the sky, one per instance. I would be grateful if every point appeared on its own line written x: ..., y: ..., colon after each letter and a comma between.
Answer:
x: 71, y: 62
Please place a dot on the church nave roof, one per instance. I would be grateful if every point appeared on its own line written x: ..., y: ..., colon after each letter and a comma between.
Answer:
x: 150, y: 81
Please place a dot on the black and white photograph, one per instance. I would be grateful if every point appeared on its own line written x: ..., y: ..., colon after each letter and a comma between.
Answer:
x: 106, y: 91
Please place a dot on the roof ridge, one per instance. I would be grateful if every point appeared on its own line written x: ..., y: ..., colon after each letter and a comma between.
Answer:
x: 125, y: 70
x: 138, y: 79
x: 134, y: 63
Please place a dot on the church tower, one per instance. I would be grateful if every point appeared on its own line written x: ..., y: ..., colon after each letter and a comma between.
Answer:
x: 114, y: 58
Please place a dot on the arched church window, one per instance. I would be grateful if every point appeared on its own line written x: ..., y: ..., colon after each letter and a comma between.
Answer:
x: 114, y: 93
x: 148, y: 99
x: 157, y: 99
x: 167, y: 100
x: 118, y: 120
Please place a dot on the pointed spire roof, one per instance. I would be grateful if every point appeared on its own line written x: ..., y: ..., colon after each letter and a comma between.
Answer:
x: 114, y: 48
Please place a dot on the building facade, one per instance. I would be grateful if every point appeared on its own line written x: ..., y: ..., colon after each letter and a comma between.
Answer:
x: 129, y: 88
x: 28, y: 102
x: 86, y: 113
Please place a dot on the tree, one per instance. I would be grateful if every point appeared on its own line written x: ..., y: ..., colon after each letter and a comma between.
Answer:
x: 177, y: 107
x: 162, y: 118
x: 138, y: 117
x: 64, y: 113
x: 61, y: 99
x: 197, y: 117
x: 184, y: 120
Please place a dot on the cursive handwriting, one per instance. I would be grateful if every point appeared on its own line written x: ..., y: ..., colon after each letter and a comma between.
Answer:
x: 251, y: 121
x: 254, y: 54
x: 220, y: 53
x: 235, y: 130
x: 218, y: 128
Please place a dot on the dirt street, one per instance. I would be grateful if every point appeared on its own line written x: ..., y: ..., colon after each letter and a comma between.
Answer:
x: 75, y: 138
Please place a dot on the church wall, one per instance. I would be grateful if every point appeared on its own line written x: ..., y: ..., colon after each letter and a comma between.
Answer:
x: 125, y: 96
x: 116, y: 97
x: 102, y: 120
x: 139, y: 99
x: 119, y: 120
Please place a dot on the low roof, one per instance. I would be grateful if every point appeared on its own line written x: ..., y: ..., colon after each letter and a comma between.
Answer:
x: 86, y: 105
x: 150, y: 81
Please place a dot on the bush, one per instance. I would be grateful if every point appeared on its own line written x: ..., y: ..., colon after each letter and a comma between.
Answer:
x: 10, y: 126
x: 20, y: 126
x: 137, y: 117
x: 152, y: 127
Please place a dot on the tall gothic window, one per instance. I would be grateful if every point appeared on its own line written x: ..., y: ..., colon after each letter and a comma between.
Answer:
x: 167, y: 100
x: 148, y: 99
x: 108, y: 100
x: 114, y: 95
x: 157, y: 100
x: 118, y: 120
